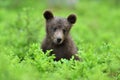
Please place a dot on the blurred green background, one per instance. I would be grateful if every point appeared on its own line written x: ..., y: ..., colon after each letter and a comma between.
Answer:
x: 96, y: 34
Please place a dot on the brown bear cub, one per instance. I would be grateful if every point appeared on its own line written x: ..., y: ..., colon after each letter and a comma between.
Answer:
x: 57, y: 36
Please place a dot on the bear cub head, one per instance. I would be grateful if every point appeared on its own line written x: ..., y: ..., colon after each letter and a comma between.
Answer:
x: 57, y: 28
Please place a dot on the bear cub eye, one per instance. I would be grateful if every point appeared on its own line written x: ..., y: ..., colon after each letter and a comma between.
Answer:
x: 54, y: 29
x: 64, y: 31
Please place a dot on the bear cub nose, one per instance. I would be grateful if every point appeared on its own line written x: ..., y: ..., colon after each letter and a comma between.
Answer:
x: 59, y: 40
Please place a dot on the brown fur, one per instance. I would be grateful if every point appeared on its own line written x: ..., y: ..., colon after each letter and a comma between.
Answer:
x: 57, y: 36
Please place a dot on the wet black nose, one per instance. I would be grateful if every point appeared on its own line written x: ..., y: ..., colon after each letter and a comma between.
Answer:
x: 58, y: 40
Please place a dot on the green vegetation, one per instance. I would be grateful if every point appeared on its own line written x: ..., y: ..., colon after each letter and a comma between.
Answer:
x: 96, y: 34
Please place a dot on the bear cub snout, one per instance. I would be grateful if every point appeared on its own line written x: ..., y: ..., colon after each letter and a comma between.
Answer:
x: 57, y: 36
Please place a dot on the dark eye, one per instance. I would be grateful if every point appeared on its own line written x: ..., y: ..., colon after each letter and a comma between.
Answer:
x: 54, y: 29
x: 64, y: 31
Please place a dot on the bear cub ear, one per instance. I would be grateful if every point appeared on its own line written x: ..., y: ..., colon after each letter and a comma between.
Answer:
x: 48, y: 15
x: 72, y: 18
